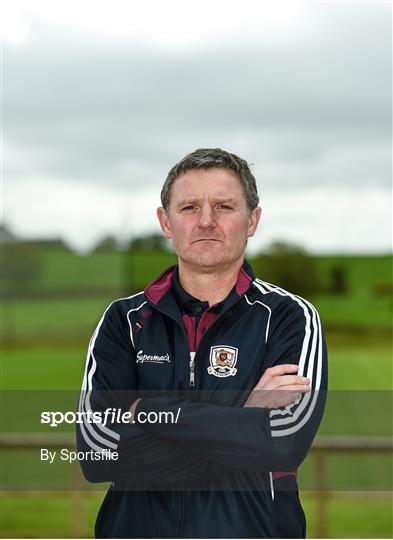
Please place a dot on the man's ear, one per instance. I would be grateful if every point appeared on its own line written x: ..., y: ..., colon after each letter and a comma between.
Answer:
x: 164, y: 222
x: 254, y: 218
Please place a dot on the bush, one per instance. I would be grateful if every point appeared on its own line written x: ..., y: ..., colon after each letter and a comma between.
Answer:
x: 382, y: 289
x: 150, y: 242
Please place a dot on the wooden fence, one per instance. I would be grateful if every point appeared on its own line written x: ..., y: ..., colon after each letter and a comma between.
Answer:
x: 321, y: 449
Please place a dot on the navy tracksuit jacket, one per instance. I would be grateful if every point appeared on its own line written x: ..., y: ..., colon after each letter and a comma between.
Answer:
x: 215, y: 472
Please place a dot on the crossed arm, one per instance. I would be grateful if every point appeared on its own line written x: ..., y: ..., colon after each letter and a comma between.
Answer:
x: 278, y: 387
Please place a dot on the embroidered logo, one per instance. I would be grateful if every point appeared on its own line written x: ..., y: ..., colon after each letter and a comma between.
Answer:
x: 222, y: 361
x: 154, y: 358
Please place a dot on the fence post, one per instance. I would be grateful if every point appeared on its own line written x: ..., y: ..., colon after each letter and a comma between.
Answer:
x: 78, y: 509
x: 322, y: 495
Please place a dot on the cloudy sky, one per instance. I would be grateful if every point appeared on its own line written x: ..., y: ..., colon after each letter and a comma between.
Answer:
x: 100, y: 99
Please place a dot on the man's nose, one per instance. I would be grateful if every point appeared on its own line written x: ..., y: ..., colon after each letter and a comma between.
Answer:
x: 207, y: 217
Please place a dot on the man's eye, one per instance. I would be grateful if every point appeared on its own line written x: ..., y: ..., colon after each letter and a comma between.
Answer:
x: 224, y: 206
x: 188, y: 207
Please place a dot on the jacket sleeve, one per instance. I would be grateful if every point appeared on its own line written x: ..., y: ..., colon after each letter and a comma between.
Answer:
x: 110, y: 383
x: 298, y: 338
x: 258, y: 438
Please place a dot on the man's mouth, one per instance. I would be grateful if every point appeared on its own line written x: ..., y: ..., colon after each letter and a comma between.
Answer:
x: 207, y: 240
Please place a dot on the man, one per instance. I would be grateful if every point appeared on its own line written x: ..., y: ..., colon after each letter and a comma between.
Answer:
x: 240, y: 364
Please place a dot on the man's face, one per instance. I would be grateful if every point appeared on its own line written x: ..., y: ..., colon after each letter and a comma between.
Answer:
x: 208, y: 220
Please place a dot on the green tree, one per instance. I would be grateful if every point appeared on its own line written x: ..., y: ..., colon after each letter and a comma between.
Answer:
x: 20, y: 267
x: 338, y: 279
x: 106, y: 244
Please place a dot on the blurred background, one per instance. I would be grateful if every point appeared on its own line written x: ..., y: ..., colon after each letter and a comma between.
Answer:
x: 99, y: 100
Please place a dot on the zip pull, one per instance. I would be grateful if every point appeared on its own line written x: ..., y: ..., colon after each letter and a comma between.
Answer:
x: 192, y: 369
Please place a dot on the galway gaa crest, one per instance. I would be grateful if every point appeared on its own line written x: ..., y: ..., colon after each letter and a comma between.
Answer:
x: 222, y: 361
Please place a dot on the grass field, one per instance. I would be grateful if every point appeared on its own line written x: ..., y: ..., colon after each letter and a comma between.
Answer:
x: 61, y: 269
x: 363, y: 271
x: 48, y: 351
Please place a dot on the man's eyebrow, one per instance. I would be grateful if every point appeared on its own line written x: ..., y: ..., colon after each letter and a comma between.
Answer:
x: 193, y: 200
x: 227, y: 200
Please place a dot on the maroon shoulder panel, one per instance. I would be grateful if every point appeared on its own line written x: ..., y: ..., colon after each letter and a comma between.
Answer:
x: 280, y: 474
x: 243, y: 282
x: 156, y: 290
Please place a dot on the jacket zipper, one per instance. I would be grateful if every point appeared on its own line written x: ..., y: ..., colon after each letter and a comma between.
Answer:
x: 192, y: 369
x: 192, y: 354
x: 179, y: 524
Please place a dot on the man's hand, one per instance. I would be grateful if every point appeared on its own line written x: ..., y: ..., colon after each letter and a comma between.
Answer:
x: 279, y: 386
x: 132, y: 410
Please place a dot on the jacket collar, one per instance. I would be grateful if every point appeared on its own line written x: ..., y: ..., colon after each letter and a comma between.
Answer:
x: 158, y: 290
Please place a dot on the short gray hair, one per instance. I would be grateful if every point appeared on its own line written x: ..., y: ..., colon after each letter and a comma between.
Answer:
x: 206, y: 158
